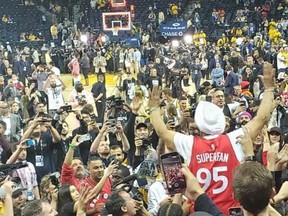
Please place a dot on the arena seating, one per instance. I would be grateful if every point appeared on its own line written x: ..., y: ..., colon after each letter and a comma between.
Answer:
x: 25, y: 18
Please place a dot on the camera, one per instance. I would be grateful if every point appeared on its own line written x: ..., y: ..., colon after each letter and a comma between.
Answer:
x: 45, y: 119
x: 137, y: 196
x: 6, y: 169
x: 146, y: 141
x: 81, y: 100
x: 116, y: 102
x: 54, y: 178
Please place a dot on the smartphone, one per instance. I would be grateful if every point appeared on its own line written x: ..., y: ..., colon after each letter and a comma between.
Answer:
x: 171, y: 166
x: 84, y: 138
x: 67, y: 108
x: 45, y: 119
x: 235, y: 211
x: 30, y: 142
x: 111, y: 122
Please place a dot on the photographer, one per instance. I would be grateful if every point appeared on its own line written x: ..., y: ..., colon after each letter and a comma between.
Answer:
x: 135, y: 135
x: 87, y: 127
x: 100, y: 146
x: 46, y: 139
x: 120, y: 203
x: 27, y: 175
x: 54, y: 93
x: 79, y: 97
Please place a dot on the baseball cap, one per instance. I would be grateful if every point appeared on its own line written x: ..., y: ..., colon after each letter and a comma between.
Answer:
x: 275, y: 129
x: 141, y: 125
x: 17, y: 191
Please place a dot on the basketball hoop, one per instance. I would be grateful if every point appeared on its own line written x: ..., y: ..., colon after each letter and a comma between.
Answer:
x: 115, y: 31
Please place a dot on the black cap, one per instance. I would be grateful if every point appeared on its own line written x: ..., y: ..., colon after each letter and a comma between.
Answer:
x: 141, y: 125
x: 275, y: 129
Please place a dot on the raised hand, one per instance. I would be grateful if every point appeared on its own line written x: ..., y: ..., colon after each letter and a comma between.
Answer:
x: 282, y: 156
x: 268, y: 77
x: 154, y: 97
x: 193, y: 189
x: 84, y: 198
x: 111, y: 168
x: 246, y: 142
x: 75, y: 141
x: 136, y: 104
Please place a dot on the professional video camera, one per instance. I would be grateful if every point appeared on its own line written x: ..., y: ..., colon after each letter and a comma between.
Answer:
x: 127, y: 185
x: 116, y: 102
x: 81, y: 100
x: 115, y: 109
x: 7, y: 169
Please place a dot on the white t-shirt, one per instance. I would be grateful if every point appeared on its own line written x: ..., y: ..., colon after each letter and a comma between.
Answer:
x: 184, y: 144
x: 55, y: 98
x: 8, y: 125
x: 56, y: 71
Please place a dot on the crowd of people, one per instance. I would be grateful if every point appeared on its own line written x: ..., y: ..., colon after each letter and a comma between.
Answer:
x: 222, y: 105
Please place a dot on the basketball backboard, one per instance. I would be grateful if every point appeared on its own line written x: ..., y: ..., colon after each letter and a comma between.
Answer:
x: 118, y: 3
x: 120, y: 20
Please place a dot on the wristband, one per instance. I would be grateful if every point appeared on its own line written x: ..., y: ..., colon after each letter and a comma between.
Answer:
x: 72, y: 146
x: 250, y: 158
x: 153, y: 109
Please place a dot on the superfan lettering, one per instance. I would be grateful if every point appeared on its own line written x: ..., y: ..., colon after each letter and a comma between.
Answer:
x: 212, y: 157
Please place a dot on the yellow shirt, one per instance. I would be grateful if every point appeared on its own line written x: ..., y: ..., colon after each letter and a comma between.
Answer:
x: 174, y: 9
x: 53, y: 30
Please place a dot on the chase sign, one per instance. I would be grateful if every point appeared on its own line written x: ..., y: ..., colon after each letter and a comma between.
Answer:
x: 172, y: 29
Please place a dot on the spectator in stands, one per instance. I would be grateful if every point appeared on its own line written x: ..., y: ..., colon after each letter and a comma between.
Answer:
x: 217, y: 75
x: 13, y: 124
x: 54, y: 32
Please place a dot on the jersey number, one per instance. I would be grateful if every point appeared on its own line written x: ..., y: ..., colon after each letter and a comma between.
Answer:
x: 215, y: 176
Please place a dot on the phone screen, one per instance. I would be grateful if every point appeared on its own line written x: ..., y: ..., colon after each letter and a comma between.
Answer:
x: 84, y: 138
x: 30, y: 142
x: 235, y: 211
x: 171, y: 165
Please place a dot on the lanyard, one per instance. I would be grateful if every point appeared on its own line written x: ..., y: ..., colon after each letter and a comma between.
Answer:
x: 41, y: 147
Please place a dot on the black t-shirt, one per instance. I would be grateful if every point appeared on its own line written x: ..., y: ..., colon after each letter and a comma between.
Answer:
x: 128, y: 84
x: 153, y: 81
x: 99, y: 88
x: 44, y: 148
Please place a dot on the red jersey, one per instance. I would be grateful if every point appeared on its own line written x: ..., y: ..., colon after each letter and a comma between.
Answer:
x: 67, y: 177
x: 212, y: 162
x: 102, y: 197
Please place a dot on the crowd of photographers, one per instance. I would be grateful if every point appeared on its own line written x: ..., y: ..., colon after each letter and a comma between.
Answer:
x: 98, y: 154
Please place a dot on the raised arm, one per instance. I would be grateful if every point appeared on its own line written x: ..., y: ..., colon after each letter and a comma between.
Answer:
x: 27, y: 134
x: 264, y: 112
x: 16, y: 153
x: 122, y: 135
x: 98, y: 138
x: 166, y: 135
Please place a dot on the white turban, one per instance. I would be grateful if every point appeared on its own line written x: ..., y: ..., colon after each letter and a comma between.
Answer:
x: 209, y: 118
